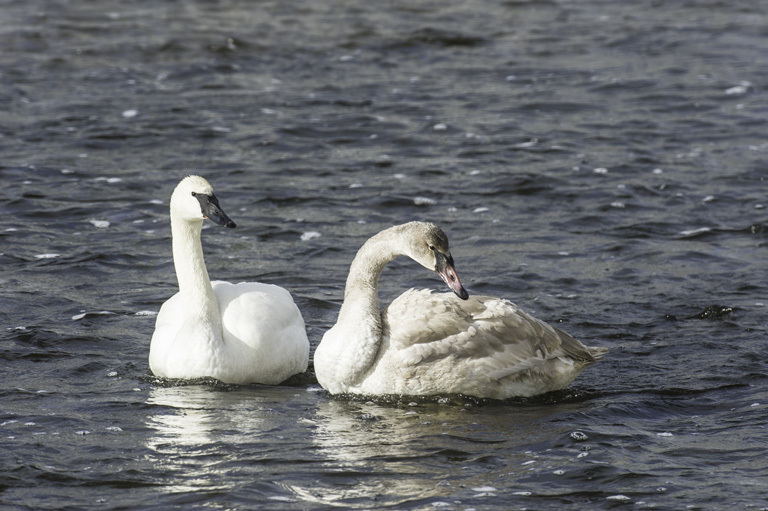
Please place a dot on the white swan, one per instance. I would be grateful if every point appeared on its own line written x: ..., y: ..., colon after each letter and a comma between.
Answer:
x: 237, y: 333
x: 429, y: 343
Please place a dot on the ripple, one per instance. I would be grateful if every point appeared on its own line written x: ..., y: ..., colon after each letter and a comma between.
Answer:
x: 578, y: 166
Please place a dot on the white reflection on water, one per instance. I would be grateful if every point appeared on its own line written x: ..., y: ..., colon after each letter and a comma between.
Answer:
x: 298, y: 447
x: 394, y: 455
x: 183, y: 444
x: 213, y: 443
x: 371, y: 453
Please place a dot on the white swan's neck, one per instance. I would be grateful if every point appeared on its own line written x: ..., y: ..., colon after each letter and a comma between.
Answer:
x: 194, y: 283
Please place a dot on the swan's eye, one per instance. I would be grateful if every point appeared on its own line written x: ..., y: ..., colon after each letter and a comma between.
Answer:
x: 194, y: 194
x: 432, y: 248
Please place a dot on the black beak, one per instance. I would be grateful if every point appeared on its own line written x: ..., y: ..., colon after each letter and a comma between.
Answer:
x: 209, y: 205
x: 447, y: 272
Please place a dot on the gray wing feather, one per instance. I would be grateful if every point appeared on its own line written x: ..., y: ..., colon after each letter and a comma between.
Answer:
x: 491, y: 333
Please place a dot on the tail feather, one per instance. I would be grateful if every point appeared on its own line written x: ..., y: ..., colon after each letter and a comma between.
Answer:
x: 577, y: 350
x: 597, y: 352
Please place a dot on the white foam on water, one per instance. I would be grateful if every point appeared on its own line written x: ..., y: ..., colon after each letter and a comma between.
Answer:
x: 101, y: 224
x: 525, y: 145
x: 83, y: 314
x: 693, y: 232
x: 739, y: 89
x: 579, y: 436
x: 424, y: 201
x: 484, y: 488
x: 310, y: 235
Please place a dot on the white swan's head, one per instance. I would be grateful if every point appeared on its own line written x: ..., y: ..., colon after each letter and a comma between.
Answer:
x: 193, y: 200
x: 427, y: 244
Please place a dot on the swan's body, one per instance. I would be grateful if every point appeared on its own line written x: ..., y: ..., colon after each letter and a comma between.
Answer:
x: 237, y: 333
x: 429, y: 343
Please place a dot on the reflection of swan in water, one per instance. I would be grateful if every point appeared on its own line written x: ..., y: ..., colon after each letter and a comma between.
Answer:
x: 375, y: 454
x: 199, y: 432
x: 207, y: 445
x: 316, y: 451
x: 184, y: 423
x: 368, y: 456
x: 186, y: 417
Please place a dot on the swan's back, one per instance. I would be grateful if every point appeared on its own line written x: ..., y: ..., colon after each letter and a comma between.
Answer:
x: 481, y: 346
x: 264, y: 339
x: 264, y: 332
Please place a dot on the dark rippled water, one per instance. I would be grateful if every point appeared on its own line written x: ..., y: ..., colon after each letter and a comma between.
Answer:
x: 601, y: 163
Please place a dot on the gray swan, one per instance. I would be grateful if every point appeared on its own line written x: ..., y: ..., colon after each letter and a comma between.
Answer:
x: 427, y: 343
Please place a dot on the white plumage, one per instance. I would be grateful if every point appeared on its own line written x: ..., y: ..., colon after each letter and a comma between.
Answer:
x: 237, y: 333
x: 428, y: 343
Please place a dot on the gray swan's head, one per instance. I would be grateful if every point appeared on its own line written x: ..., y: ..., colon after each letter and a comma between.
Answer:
x: 427, y: 244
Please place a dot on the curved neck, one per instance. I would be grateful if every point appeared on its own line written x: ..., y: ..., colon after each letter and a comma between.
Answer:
x: 361, y: 291
x: 194, y: 283
x: 349, y: 350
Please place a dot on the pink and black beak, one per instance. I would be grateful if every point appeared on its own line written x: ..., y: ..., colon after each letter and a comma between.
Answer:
x: 209, y: 205
x: 444, y: 267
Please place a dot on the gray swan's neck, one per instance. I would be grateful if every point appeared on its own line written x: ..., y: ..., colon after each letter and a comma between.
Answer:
x: 361, y: 292
x: 352, y: 351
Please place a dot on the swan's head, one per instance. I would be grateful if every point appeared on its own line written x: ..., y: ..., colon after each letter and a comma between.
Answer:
x: 428, y: 245
x: 193, y: 200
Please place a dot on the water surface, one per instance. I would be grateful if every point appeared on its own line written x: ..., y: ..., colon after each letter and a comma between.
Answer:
x: 601, y: 164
